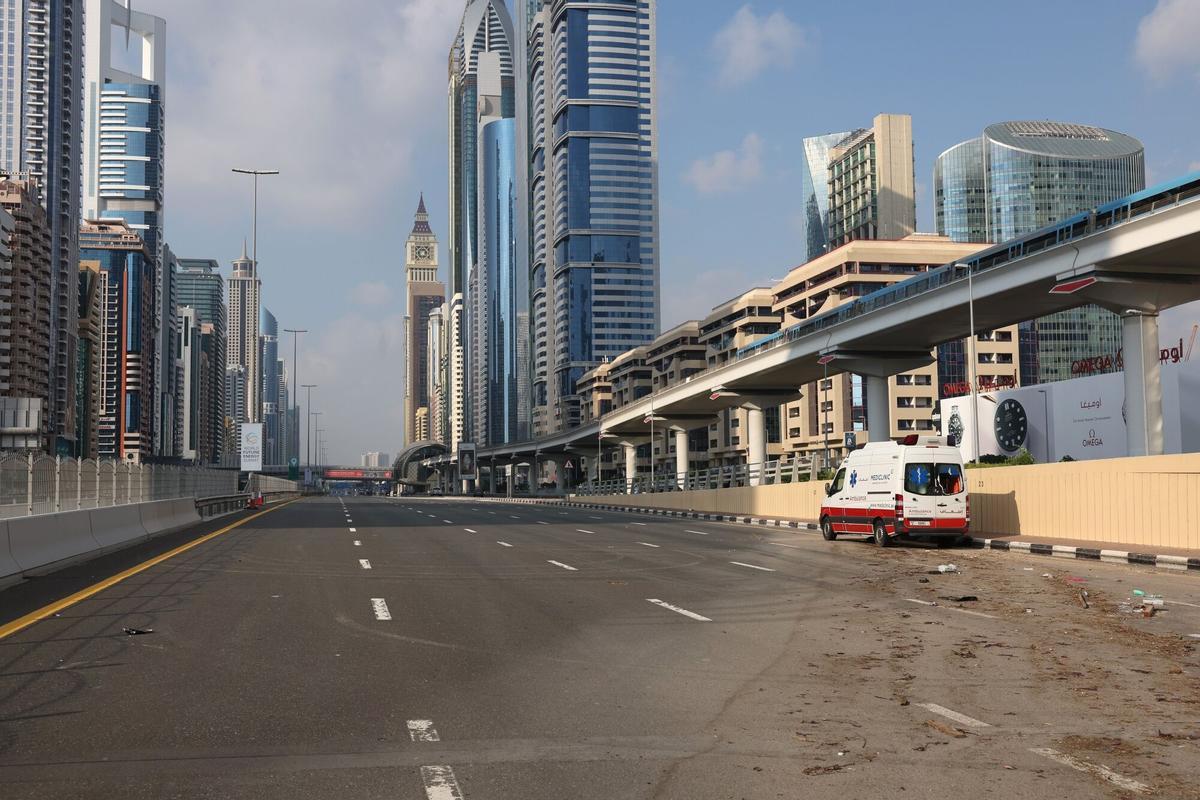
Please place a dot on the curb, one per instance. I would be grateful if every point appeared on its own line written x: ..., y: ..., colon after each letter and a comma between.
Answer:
x: 1161, y: 561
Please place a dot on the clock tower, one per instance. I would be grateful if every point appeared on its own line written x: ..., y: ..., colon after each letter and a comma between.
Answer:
x: 420, y: 253
x: 424, y: 293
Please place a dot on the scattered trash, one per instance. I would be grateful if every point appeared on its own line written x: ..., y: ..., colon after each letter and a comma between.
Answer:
x: 958, y: 598
x: 1138, y: 593
x: 949, y: 730
x: 137, y: 631
x: 822, y: 770
x: 1083, y: 598
x: 1148, y: 611
x: 1047, y: 575
x: 841, y: 752
x: 1028, y: 569
x: 1076, y: 579
x: 943, y: 569
x: 1029, y: 611
x: 922, y: 580
x: 1152, y: 600
x: 1194, y: 635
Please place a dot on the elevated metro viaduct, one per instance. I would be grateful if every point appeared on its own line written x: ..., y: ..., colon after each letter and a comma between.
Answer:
x: 1135, y: 256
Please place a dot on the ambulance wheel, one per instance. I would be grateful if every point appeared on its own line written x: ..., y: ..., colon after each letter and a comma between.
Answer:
x: 827, y: 531
x: 881, y: 537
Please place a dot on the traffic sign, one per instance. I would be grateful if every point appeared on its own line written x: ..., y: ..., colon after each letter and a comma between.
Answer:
x: 1070, y: 287
x: 569, y: 465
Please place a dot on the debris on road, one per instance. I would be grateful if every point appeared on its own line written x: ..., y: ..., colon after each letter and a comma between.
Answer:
x: 949, y: 730
x: 1083, y: 598
x: 943, y: 569
x: 958, y: 598
x: 137, y: 631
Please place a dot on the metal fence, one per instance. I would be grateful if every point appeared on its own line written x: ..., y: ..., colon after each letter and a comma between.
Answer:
x: 768, y: 474
x: 42, y: 484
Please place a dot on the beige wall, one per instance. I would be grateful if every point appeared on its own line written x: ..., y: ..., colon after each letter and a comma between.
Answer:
x: 1146, y: 502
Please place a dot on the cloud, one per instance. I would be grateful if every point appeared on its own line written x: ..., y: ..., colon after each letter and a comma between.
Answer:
x: 749, y: 44
x: 371, y: 294
x: 338, y: 359
x: 1194, y: 166
x: 1166, y: 39
x: 728, y: 170
x: 338, y: 106
x: 696, y: 297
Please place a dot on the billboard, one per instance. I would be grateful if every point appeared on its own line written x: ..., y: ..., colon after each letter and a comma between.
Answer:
x: 1084, y: 417
x: 369, y: 474
x: 252, y: 450
x: 466, y: 461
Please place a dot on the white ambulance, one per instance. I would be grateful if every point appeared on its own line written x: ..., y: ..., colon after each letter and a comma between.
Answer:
x: 889, y: 489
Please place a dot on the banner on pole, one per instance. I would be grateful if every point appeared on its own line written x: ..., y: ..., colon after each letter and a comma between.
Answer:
x: 252, y: 436
x: 466, y: 461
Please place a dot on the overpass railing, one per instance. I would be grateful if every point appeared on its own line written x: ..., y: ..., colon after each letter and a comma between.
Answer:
x: 726, y: 477
x: 36, y: 483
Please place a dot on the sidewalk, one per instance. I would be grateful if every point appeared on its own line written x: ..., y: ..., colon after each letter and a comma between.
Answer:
x: 1164, y: 557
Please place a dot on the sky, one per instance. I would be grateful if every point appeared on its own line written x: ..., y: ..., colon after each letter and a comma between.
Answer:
x: 348, y: 101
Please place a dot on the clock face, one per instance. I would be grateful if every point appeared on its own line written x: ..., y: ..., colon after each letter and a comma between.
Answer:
x: 956, y: 426
x: 1011, y: 424
x: 422, y: 252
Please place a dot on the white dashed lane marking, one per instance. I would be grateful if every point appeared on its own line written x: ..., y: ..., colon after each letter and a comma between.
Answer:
x: 677, y: 609
x: 751, y: 566
x: 638, y: 523
x: 379, y: 606
x: 503, y: 544
x: 961, y: 719
x: 581, y: 530
x: 357, y: 543
x: 354, y: 530
x: 470, y: 530
x: 440, y: 783
x: 422, y: 730
x: 362, y: 562
x: 647, y: 544
x: 540, y: 522
x: 950, y: 608
x: 1099, y: 770
x: 702, y: 533
x: 448, y: 522
x: 564, y: 566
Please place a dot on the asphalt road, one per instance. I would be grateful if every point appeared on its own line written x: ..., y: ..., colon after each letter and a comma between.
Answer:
x: 442, y: 649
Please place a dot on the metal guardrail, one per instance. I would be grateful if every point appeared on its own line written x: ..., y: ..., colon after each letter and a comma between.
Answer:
x: 759, y: 474
x: 42, y: 484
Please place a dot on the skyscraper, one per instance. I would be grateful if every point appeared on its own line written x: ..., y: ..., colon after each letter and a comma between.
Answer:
x: 128, y: 338
x: 123, y: 157
x: 166, y: 366
x: 1031, y: 174
x: 26, y: 333
x: 872, y: 192
x: 269, y: 359
x: 201, y: 287
x: 424, y: 292
x: 242, y: 345
x: 814, y: 191
x: 481, y: 90
x: 41, y: 95
x: 590, y: 141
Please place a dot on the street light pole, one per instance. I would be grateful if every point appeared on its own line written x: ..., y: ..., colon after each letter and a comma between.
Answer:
x: 972, y: 375
x: 295, y: 382
x: 308, y: 424
x: 312, y: 414
x: 254, y: 225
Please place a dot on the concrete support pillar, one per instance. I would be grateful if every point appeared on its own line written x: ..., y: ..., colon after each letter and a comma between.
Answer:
x: 1143, y: 384
x: 879, y: 418
x: 756, y: 422
x: 630, y: 466
x: 681, y: 457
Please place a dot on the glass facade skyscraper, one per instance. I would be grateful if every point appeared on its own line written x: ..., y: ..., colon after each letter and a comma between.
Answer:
x: 593, y: 179
x: 960, y: 193
x: 814, y: 191
x: 1033, y: 174
x: 503, y: 292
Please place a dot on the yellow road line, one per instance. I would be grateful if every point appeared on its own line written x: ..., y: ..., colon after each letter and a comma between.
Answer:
x: 83, y: 594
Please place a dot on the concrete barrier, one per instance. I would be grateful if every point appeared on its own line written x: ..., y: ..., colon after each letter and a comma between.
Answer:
x: 117, y: 525
x: 156, y: 516
x: 9, y: 569
x: 181, y: 513
x: 45, y: 539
